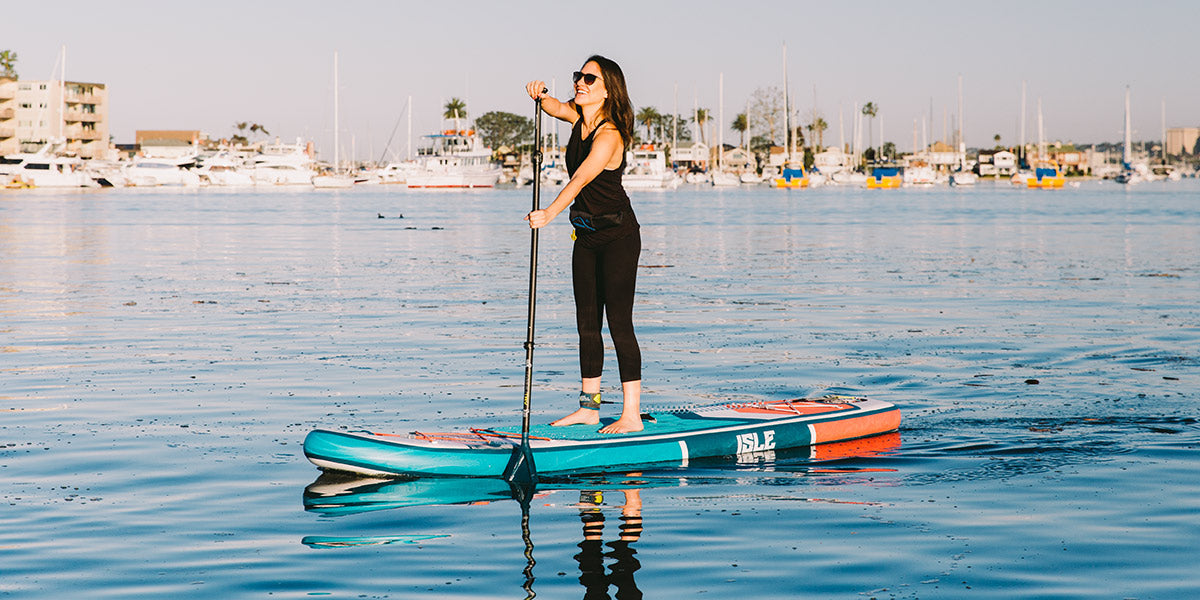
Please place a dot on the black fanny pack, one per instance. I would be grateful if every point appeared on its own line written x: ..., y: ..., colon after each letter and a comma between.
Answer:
x: 587, y: 222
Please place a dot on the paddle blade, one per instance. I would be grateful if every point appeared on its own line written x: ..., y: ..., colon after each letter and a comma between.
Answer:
x: 520, y: 469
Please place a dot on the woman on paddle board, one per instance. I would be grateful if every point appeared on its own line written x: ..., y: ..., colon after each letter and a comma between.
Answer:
x: 607, y: 238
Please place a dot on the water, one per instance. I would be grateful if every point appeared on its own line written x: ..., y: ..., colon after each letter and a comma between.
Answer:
x: 165, y: 352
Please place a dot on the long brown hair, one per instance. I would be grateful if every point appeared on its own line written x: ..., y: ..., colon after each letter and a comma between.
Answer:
x: 617, y: 106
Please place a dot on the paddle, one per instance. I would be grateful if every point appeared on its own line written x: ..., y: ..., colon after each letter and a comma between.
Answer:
x: 520, y: 469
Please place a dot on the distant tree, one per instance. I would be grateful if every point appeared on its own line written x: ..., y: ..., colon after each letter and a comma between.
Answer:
x: 888, y: 149
x: 668, y: 123
x: 818, y: 127
x: 504, y: 129
x: 870, y: 109
x: 8, y: 59
x: 702, y: 117
x: 766, y: 106
x: 740, y: 125
x: 649, y: 116
x: 455, y: 109
x: 997, y: 138
x: 244, y: 127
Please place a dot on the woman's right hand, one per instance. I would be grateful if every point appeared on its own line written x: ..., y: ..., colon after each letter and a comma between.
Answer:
x: 536, y: 89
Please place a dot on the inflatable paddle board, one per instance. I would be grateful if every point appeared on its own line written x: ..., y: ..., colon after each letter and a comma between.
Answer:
x: 668, y: 437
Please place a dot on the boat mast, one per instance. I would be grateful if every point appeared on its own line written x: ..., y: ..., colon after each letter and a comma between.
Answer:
x: 720, y: 121
x: 675, y: 122
x: 1041, y: 134
x: 335, y: 111
x: 787, y: 132
x: 962, y: 144
x: 410, y: 108
x: 841, y: 129
x: 1164, y: 131
x: 62, y: 98
x: 1127, y: 154
x: 1022, y: 132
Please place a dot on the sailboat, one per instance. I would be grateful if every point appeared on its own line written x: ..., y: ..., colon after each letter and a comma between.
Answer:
x: 793, y: 174
x: 962, y: 176
x: 334, y: 179
x: 1128, y: 173
x: 721, y: 177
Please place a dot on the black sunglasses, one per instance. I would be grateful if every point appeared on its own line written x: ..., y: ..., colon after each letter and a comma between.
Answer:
x: 588, y: 78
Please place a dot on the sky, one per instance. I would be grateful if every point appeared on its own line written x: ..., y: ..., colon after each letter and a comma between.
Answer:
x: 207, y: 65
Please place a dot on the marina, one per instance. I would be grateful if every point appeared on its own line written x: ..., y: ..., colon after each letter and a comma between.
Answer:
x: 167, y: 350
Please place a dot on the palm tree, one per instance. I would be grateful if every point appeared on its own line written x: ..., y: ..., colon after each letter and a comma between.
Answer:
x: 242, y: 127
x: 455, y: 109
x: 701, y: 118
x: 870, y: 109
x: 648, y: 116
x: 997, y: 138
x: 740, y: 125
x: 8, y: 58
x: 818, y: 126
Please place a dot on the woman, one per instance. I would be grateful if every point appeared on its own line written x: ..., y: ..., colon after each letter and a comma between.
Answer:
x: 607, y: 238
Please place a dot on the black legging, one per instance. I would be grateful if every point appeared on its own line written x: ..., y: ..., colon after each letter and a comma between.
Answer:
x: 604, y: 280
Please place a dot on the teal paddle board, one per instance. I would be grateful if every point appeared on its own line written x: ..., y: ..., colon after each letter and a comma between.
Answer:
x: 668, y: 437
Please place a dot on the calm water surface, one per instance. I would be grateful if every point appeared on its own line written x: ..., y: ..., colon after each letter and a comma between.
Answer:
x: 163, y: 353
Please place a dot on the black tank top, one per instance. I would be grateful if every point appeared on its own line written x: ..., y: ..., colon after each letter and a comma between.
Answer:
x: 603, y: 195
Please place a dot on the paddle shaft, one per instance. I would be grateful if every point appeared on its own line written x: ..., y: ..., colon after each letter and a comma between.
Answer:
x: 533, y: 256
x: 520, y: 470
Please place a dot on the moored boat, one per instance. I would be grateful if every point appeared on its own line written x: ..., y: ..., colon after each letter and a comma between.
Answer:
x: 1047, y: 176
x: 646, y: 169
x: 882, y: 178
x: 456, y: 159
x: 792, y: 177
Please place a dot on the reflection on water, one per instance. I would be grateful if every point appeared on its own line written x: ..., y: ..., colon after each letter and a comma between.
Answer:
x: 164, y: 354
x: 593, y: 576
x: 606, y: 562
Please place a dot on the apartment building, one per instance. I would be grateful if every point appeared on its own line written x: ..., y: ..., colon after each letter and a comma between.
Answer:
x: 34, y: 113
x: 1182, y: 140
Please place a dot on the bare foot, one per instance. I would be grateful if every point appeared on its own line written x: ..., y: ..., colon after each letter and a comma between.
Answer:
x: 583, y: 416
x: 623, y: 425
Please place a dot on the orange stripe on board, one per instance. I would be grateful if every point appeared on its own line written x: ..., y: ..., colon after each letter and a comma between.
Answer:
x: 845, y: 429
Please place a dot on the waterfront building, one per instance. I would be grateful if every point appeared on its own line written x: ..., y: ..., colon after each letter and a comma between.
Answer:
x: 690, y: 155
x: 159, y: 143
x: 1182, y: 140
x: 36, y: 113
x: 993, y: 163
x: 939, y: 155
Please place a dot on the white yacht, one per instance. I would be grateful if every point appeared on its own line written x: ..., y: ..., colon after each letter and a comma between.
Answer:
x: 725, y: 178
x: 396, y: 173
x: 850, y: 178
x: 333, y: 179
x: 106, y: 173
x: 456, y: 159
x: 44, y: 170
x: 646, y: 169
x: 224, y: 169
x: 283, y: 164
x: 153, y: 172
x: 831, y: 162
x: 919, y: 173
